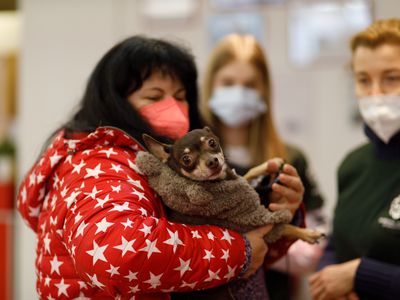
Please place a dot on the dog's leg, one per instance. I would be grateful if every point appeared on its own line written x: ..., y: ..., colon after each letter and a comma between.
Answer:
x: 307, y: 235
x: 256, y: 171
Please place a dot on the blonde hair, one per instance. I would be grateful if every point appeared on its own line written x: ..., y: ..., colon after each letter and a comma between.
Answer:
x: 264, y: 141
x: 378, y: 33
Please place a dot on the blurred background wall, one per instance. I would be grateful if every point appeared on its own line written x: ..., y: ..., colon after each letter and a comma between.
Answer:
x: 62, y: 41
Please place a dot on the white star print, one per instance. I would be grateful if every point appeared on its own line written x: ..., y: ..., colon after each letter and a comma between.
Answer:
x: 81, y: 297
x: 100, y: 202
x: 69, y: 159
x: 190, y: 285
x: 131, y: 276
x: 94, y: 172
x: 32, y: 179
x: 78, y: 217
x: 134, y: 289
x: 195, y: 234
x: 34, y: 211
x: 116, y: 168
x: 118, y: 207
x: 108, y: 152
x: 146, y: 229
x: 208, y: 255
x: 23, y: 195
x: 184, y: 266
x: 54, y: 159
x: 134, y: 167
x: 128, y: 223
x: 135, y: 183
x: 116, y: 189
x: 81, y: 228
x: 143, y: 211
x: 173, y: 240
x: 139, y: 194
x: 56, y: 180
x: 39, y: 178
x: 82, y: 285
x: 103, y: 225
x: 78, y: 167
x: 227, y: 236
x: 63, y: 192
x: 225, y: 255
x: 55, y: 265
x: 154, y: 280
x: 87, y: 152
x: 150, y: 248
x: 47, y: 241
x: 231, y: 273
x: 62, y: 288
x: 72, y: 198
x: 113, y: 270
x: 93, y: 193
x: 94, y: 281
x: 126, y: 246
x: 47, y: 281
x: 212, y: 275
x: 210, y: 235
x: 97, y: 252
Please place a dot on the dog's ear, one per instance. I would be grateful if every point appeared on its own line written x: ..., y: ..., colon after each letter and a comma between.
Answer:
x: 158, y: 149
x: 206, y: 128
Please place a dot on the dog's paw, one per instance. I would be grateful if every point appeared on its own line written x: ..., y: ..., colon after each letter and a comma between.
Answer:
x: 312, y: 236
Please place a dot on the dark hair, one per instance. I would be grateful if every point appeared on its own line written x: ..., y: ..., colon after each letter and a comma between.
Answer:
x: 120, y: 72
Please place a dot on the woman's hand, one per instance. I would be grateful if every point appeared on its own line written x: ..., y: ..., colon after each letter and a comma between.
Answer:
x: 258, y: 248
x: 334, y: 282
x: 289, y: 194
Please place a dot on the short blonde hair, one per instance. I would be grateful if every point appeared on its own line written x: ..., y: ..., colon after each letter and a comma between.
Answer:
x: 264, y: 141
x: 378, y: 33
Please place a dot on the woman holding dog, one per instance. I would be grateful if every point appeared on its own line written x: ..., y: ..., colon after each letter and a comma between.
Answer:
x: 362, y: 260
x: 236, y: 104
x: 102, y: 232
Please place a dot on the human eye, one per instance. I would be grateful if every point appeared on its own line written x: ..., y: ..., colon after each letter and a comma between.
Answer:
x: 363, y: 80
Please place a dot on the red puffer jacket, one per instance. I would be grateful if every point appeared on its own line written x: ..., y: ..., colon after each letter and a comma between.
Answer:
x: 103, y: 233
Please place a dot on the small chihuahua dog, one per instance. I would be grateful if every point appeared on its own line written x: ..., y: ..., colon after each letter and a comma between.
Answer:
x: 198, y: 156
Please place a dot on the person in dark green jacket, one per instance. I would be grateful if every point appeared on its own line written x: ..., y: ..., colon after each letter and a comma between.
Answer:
x: 236, y: 103
x: 362, y: 260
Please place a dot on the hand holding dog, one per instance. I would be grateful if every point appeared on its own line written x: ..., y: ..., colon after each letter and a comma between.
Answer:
x: 258, y: 248
x: 289, y: 194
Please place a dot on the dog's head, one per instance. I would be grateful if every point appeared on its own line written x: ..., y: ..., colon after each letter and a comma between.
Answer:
x: 197, y: 155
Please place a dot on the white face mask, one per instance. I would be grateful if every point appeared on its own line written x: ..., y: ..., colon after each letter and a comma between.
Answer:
x: 382, y: 114
x: 236, y: 105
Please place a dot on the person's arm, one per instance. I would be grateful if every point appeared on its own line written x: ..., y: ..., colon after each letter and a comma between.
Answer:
x: 377, y: 280
x: 120, y: 241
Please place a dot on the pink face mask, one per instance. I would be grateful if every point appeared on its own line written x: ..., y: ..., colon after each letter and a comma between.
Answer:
x: 167, y: 117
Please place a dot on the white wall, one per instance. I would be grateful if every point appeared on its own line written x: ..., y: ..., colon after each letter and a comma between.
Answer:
x: 63, y: 40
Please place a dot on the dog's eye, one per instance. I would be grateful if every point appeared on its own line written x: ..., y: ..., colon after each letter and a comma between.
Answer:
x: 187, y: 160
x: 212, y: 143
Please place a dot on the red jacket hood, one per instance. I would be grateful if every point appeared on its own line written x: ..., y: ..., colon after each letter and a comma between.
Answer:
x: 30, y: 200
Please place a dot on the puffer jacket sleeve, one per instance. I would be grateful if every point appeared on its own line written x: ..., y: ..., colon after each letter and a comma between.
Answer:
x: 120, y: 240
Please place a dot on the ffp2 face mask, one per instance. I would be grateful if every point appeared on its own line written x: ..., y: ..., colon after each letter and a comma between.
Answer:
x: 236, y: 105
x: 382, y: 114
x: 167, y: 117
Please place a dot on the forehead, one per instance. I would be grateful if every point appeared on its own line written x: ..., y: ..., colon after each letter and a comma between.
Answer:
x: 162, y: 80
x: 380, y: 59
x: 193, y: 140
x: 238, y: 69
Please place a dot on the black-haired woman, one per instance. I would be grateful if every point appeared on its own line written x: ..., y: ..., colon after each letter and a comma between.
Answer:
x: 102, y: 232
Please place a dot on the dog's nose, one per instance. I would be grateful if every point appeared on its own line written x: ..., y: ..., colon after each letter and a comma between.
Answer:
x: 212, y: 163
